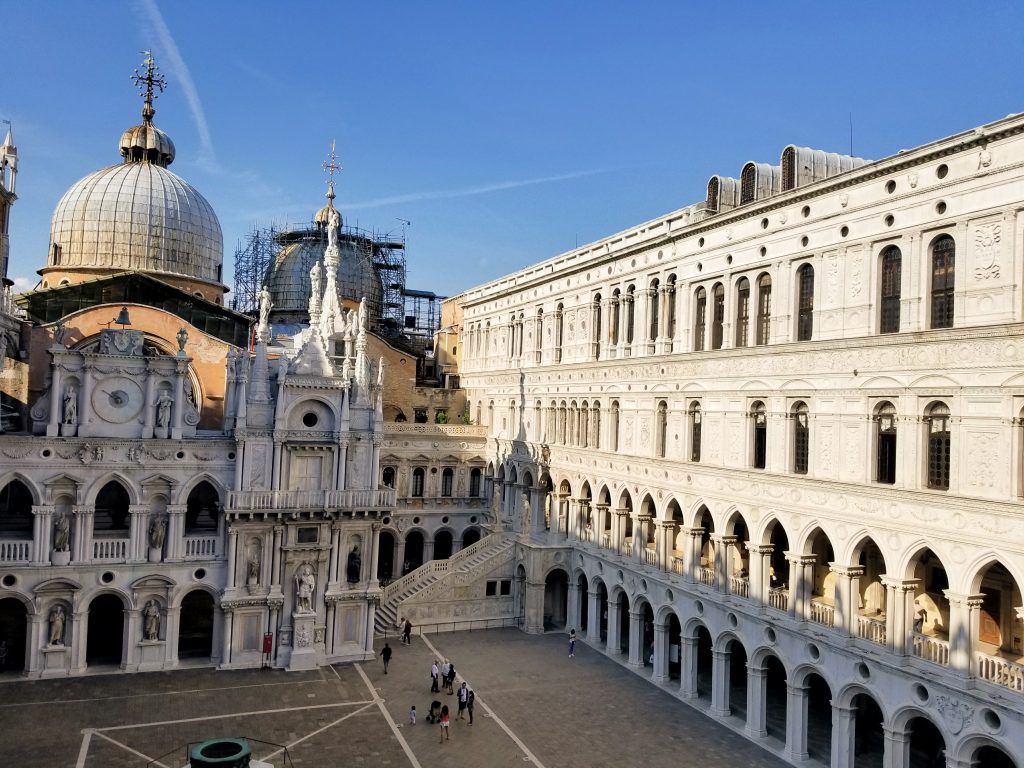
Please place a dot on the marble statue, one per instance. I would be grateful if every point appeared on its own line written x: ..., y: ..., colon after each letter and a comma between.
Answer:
x: 253, y: 566
x: 362, y: 313
x: 151, y: 620
x: 61, y: 533
x: 315, y: 283
x: 157, y: 531
x: 266, y: 304
x: 524, y: 512
x: 380, y: 372
x: 57, y: 619
x: 333, y: 225
x: 182, y: 337
x: 496, y: 504
x: 58, y: 334
x: 305, y: 588
x: 70, y: 405
x: 354, y: 566
x: 163, y: 410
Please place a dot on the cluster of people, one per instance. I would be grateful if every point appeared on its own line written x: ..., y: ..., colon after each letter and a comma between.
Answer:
x: 440, y: 714
x: 442, y: 676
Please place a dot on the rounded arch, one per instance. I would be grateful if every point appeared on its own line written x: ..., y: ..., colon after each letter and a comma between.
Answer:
x: 728, y: 636
x: 856, y: 545
x: 799, y: 674
x: 967, y: 749
x: 639, y: 601
x: 911, y: 555
x: 733, y: 519
x: 697, y: 512
x: 597, y: 583
x: 123, y: 595
x: 304, y: 403
x: 810, y: 539
x: 111, y: 477
x: 665, y: 612
x: 25, y: 600
x: 30, y: 486
x: 767, y: 529
x: 844, y: 697
x: 901, y: 717
x: 760, y: 655
x: 202, y: 586
x: 974, y: 573
x: 692, y: 625
x: 189, y: 485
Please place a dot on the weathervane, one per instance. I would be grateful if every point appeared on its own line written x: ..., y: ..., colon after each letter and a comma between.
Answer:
x: 151, y: 79
x: 331, y: 165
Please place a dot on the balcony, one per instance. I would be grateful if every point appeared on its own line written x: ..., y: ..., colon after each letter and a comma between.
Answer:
x: 1000, y: 671
x: 871, y: 629
x: 739, y: 586
x: 201, y: 547
x: 109, y: 550
x: 823, y: 613
x: 778, y: 598
x: 706, y: 576
x: 933, y: 649
x: 15, y: 551
x: 371, y: 498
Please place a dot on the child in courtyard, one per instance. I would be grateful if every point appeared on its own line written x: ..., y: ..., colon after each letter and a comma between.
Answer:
x: 445, y: 722
x: 412, y: 715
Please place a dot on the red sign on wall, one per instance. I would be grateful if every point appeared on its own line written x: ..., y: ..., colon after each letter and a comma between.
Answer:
x: 268, y: 643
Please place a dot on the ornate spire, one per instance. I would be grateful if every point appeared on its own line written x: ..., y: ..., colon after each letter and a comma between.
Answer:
x: 327, y: 218
x: 149, y: 82
x: 331, y: 165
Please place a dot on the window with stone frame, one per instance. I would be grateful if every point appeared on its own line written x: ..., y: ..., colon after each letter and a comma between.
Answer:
x: 717, y: 316
x: 447, y: 475
x: 742, y: 312
x: 699, y: 318
x: 418, y: 476
x: 885, y: 443
x: 630, y: 313
x: 805, y: 303
x: 613, y: 426
x: 759, y: 435
x: 661, y: 430
x: 937, y: 421
x: 388, y: 477
x: 652, y: 331
x: 889, y: 304
x: 695, y: 422
x: 801, y: 438
x: 764, y: 309
x: 474, y: 482
x: 943, y: 264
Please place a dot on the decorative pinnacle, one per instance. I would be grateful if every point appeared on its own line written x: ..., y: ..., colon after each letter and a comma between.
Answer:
x: 153, y: 81
x: 331, y: 165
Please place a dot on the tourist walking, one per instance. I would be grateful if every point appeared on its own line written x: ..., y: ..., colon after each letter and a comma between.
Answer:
x: 412, y: 715
x: 463, y: 698
x: 445, y: 666
x: 407, y: 633
x: 433, y: 678
x: 445, y: 722
x: 451, y: 678
x: 470, y: 702
x: 572, y: 643
x: 385, y: 653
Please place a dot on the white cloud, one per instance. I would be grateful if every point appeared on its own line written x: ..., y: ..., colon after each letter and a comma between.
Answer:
x: 22, y: 284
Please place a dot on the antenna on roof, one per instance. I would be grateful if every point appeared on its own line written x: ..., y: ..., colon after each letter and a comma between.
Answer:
x: 851, y: 134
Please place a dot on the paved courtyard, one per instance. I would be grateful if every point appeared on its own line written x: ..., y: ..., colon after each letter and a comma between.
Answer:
x: 534, y: 706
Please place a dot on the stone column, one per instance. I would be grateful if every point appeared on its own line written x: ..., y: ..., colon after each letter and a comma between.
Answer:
x: 179, y: 399
x: 613, y: 645
x: 572, y: 608
x: 693, y: 556
x: 82, y: 534
x: 604, y: 334
x: 844, y: 720
x: 688, y: 668
x: 663, y: 530
x: 149, y: 409
x: 640, y: 537
x: 332, y: 566
x: 56, y: 416
x: 899, y: 604
x: 760, y: 568
x: 175, y: 532
x: 719, y: 683
x: 963, y: 631
x: 374, y: 559
x: 232, y: 563
x: 722, y: 569
x: 138, y: 514
x: 757, y: 712
x: 42, y: 535
x: 896, y: 753
x: 399, y: 561
x: 796, y: 722
x: 626, y: 343
x: 226, y: 636
x: 644, y: 322
x: 847, y: 597
x: 636, y: 639
x: 660, y: 653
x: 593, y: 617
x: 275, y: 573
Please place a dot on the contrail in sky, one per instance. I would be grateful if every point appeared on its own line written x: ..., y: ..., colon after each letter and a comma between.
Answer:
x: 481, y: 189
x: 177, y: 67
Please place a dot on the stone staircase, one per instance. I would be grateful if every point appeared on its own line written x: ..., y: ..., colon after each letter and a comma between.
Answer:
x: 459, y: 567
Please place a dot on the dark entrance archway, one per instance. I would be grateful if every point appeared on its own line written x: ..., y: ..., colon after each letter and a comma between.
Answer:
x: 386, y: 561
x: 13, y: 626
x: 819, y: 719
x: 775, y: 698
x: 413, y: 551
x: 470, y: 537
x: 623, y: 603
x: 195, y: 632
x: 556, y: 599
x: 868, y: 736
x: 442, y: 545
x: 603, y: 603
x: 105, y: 637
x: 737, y: 679
x: 584, y: 602
x: 705, y: 662
x: 993, y: 757
x: 647, y: 636
x: 675, y: 634
x: 926, y: 743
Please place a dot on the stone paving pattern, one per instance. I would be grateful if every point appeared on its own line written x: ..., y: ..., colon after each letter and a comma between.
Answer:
x: 585, y: 711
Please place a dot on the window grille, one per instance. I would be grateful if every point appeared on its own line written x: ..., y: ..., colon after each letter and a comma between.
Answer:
x: 695, y: 419
x: 759, y: 417
x: 718, y: 317
x: 943, y: 274
x: 698, y: 323
x: 885, y: 471
x: 801, y: 439
x: 938, y: 447
x: 892, y: 261
x: 805, y: 303
x: 764, y: 309
x: 742, y: 312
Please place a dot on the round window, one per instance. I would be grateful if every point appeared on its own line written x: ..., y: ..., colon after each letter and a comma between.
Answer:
x: 310, y: 419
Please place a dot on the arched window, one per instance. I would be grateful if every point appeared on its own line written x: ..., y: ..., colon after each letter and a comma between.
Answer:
x: 670, y: 307
x: 764, y: 309
x: 661, y: 436
x: 892, y: 263
x: 616, y: 309
x: 388, y: 477
x: 584, y: 430
x: 630, y: 313
x: 519, y: 330
x: 490, y: 414
x: 447, y: 475
x: 742, y: 312
x: 595, y: 425
x: 937, y: 420
x: 717, y: 315
x: 474, y: 482
x: 559, y: 323
x: 15, y: 511
x: 201, y: 510
x: 695, y: 419
x: 418, y: 475
x: 563, y: 417
x: 655, y: 309
x: 595, y: 310
x: 699, y: 318
x: 885, y: 443
x: 759, y: 424
x: 943, y: 273
x: 613, y: 426
x: 801, y: 438
x: 805, y: 303
x: 111, y: 516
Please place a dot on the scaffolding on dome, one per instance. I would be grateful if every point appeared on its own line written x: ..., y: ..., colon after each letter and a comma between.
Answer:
x: 385, y: 251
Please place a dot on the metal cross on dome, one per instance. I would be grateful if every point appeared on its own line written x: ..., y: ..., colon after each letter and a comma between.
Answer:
x: 331, y: 165
x: 151, y: 79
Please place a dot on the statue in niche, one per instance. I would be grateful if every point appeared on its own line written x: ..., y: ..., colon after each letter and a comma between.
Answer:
x: 163, y: 410
x: 61, y: 533
x: 157, y: 531
x: 266, y: 304
x: 524, y: 512
x: 305, y: 588
x: 57, y: 619
x: 253, y: 566
x: 151, y: 620
x: 70, y: 405
x: 354, y: 566
x: 58, y: 333
x: 182, y: 340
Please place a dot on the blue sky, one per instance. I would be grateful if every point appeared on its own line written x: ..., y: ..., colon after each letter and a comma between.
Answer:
x: 505, y: 133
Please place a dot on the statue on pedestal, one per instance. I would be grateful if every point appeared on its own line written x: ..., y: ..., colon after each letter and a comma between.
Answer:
x: 182, y: 340
x: 70, y: 405
x: 151, y: 620
x: 354, y: 566
x: 266, y: 304
x: 305, y: 588
x: 57, y: 619
x: 163, y: 410
x: 157, y: 531
x: 61, y: 533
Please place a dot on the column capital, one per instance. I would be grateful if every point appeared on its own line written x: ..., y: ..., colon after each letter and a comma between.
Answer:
x: 725, y: 539
x: 900, y: 585
x: 850, y: 571
x: 797, y: 559
x: 43, y: 509
x: 969, y: 601
x: 761, y: 549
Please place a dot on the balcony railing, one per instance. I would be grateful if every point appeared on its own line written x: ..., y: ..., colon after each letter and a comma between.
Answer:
x: 1000, y: 671
x: 933, y: 649
x: 739, y: 586
x: 200, y: 547
x: 678, y: 566
x: 109, y: 550
x: 606, y: 540
x: 871, y: 629
x: 626, y: 548
x: 15, y: 551
x: 706, y: 576
x: 371, y: 498
x: 651, y: 556
x: 823, y: 613
x: 778, y: 598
